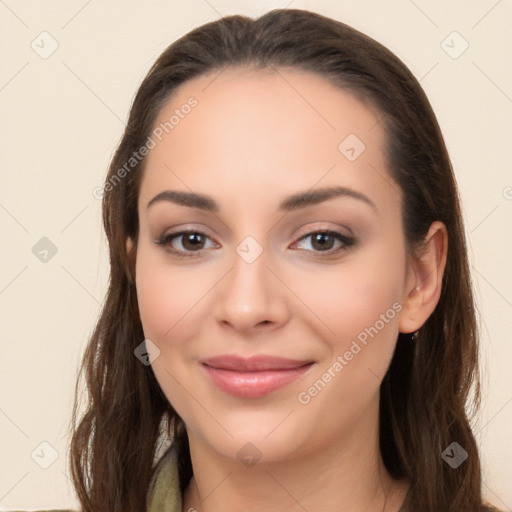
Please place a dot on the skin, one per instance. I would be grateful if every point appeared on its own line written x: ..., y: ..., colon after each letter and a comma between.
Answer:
x: 254, y: 138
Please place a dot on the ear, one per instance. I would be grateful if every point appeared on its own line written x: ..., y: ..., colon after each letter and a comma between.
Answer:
x: 424, y: 279
x: 131, y: 253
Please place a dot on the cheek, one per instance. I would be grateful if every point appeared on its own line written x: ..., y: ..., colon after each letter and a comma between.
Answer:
x: 168, y: 298
x: 360, y: 307
x: 165, y: 296
x: 354, y: 297
x: 156, y: 305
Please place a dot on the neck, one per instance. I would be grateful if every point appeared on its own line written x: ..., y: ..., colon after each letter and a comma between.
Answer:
x: 347, y: 475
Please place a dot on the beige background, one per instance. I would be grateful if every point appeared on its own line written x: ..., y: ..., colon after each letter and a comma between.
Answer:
x: 62, y: 117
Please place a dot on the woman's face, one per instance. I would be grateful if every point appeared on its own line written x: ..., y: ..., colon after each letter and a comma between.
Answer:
x: 318, y: 282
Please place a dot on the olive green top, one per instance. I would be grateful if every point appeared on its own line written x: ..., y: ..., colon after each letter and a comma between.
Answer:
x: 164, y: 491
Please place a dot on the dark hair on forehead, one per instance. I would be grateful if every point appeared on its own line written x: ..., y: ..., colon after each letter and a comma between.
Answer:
x: 425, y: 392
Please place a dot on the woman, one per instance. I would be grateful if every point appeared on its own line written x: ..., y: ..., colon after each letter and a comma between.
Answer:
x: 290, y: 299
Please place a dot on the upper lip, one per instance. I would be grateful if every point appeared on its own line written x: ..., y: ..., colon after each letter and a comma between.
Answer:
x: 255, y: 363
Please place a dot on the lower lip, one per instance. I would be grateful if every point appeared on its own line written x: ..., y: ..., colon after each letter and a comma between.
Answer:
x: 254, y: 384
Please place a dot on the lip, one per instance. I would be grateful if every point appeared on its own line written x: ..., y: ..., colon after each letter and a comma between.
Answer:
x: 255, y: 376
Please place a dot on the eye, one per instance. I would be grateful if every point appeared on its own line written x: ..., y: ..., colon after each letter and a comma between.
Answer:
x: 323, y: 241
x: 191, y: 241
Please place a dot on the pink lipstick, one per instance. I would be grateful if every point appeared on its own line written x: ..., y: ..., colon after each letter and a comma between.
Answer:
x: 255, y: 376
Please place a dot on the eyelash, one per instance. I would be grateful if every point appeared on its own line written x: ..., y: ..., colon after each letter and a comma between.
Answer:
x: 345, y: 240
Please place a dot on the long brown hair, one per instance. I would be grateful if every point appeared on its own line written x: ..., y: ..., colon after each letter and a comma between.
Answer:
x: 426, y: 400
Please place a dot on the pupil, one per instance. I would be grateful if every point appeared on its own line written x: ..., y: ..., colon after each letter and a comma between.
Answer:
x: 320, y: 239
x: 193, y: 239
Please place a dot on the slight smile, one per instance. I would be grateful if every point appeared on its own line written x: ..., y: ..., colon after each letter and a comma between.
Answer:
x: 253, y: 377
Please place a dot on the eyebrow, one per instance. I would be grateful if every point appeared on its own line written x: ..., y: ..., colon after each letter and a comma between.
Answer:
x: 290, y: 203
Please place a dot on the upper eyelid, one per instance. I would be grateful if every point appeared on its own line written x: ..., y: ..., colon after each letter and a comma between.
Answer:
x: 302, y: 233
x: 311, y: 231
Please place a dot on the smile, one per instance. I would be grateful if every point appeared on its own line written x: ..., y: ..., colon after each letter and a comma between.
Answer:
x: 253, y: 377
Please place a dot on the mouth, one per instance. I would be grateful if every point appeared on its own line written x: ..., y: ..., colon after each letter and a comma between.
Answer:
x: 254, y: 377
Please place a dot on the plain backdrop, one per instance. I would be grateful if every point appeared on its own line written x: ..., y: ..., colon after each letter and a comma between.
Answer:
x: 68, y: 74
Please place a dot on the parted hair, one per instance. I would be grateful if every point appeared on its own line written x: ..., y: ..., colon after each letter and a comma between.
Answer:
x: 431, y: 390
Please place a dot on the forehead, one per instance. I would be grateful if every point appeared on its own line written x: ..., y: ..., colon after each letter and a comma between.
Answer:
x: 301, y: 102
x: 261, y: 131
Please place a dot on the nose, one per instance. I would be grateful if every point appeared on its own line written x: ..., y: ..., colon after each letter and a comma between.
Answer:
x: 251, y: 297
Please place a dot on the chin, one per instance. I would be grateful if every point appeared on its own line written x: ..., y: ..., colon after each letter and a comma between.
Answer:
x: 257, y: 437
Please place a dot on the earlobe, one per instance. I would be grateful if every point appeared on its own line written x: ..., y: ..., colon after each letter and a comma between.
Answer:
x: 129, y: 245
x: 131, y: 251
x: 425, y: 279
